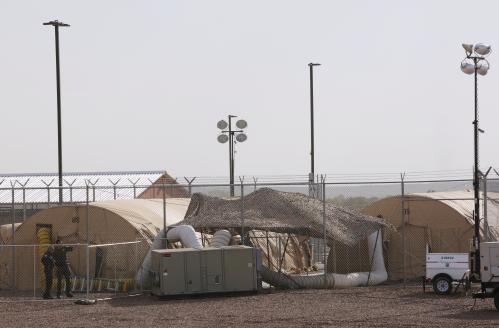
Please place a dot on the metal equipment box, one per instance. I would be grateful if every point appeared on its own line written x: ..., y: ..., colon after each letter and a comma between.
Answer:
x: 208, y: 270
x: 489, y: 262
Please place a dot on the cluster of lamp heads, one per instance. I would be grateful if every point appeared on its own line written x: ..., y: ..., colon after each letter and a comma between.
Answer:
x: 240, y: 135
x: 475, y: 58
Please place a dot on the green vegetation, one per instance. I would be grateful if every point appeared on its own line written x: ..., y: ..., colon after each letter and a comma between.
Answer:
x: 356, y: 203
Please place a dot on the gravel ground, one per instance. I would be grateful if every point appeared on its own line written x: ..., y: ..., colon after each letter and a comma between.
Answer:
x: 383, y: 306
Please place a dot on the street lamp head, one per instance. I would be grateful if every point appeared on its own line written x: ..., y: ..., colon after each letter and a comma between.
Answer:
x: 222, y: 124
x: 223, y: 138
x: 241, y: 124
x: 468, y: 66
x: 241, y: 137
x: 56, y: 23
x: 482, y: 67
x: 314, y: 64
x: 482, y: 49
x: 468, y: 48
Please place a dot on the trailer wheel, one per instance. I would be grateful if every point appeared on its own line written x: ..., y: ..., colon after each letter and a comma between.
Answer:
x: 496, y: 300
x: 443, y: 285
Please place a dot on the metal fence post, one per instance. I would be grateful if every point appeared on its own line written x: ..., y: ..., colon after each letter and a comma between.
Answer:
x: 164, y: 216
x: 402, y: 204
x: 324, y: 222
x: 114, y: 187
x: 24, y: 203
x: 485, y: 216
x: 34, y: 271
x: 243, y: 241
x: 138, y: 266
x: 13, y: 279
x: 87, y: 278
x: 47, y: 184
x: 189, y: 182
x: 70, y: 185
x: 134, y: 187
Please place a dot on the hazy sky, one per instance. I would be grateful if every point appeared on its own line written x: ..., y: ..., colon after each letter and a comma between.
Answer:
x: 145, y: 82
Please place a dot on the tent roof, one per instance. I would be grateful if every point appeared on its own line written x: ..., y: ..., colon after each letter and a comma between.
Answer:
x: 144, y: 215
x: 463, y: 203
x: 278, y: 211
x: 145, y: 212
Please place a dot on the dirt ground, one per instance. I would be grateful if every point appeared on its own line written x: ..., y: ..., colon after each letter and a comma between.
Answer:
x: 383, y: 306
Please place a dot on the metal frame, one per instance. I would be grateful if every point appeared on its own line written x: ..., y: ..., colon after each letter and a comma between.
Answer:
x: 56, y: 24
x: 311, y: 176
x: 476, y: 170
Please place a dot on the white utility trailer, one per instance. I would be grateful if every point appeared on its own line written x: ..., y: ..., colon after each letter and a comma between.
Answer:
x: 442, y: 269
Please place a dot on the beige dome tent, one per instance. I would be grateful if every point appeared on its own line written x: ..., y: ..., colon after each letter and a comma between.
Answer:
x: 441, y: 220
x: 118, y: 221
x: 6, y: 232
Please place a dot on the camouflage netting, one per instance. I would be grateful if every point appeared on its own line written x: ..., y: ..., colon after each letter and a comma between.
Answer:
x: 283, y: 212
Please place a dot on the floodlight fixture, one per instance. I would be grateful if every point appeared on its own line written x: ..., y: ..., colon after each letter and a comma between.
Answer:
x: 242, y: 124
x: 482, y: 67
x: 223, y: 138
x: 222, y: 124
x: 468, y: 48
x: 231, y: 136
x: 241, y: 137
x: 482, y: 49
x: 468, y: 66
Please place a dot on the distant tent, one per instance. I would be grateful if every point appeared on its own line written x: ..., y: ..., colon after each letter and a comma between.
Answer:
x: 6, y: 232
x: 441, y: 220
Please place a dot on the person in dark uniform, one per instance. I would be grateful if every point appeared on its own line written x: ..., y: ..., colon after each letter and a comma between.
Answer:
x: 48, y: 266
x: 62, y: 268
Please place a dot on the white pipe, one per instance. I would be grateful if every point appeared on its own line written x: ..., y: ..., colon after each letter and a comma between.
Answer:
x: 185, y: 234
x: 333, y: 280
x: 142, y: 277
x: 221, y: 238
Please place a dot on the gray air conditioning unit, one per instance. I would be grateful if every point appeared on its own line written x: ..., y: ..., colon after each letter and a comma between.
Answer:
x: 186, y: 271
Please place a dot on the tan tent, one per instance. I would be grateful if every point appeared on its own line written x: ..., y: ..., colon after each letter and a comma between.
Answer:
x: 6, y: 232
x: 120, y: 221
x: 441, y: 220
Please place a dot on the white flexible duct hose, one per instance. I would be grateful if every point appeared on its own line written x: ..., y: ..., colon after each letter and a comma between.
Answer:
x: 186, y: 235
x: 221, y: 238
x: 142, y: 277
x: 334, y: 280
x: 183, y: 233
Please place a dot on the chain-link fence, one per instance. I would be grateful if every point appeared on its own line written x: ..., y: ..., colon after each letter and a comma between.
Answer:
x: 106, y: 232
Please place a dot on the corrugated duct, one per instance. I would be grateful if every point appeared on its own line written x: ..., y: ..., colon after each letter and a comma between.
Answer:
x: 376, y: 276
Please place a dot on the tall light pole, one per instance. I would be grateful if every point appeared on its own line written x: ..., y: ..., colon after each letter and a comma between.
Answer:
x: 229, y: 135
x: 56, y: 24
x: 475, y: 63
x: 311, y: 176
